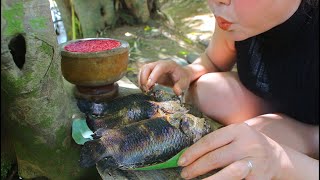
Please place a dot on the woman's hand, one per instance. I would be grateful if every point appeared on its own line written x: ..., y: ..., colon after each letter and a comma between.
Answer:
x: 164, y: 72
x: 239, y: 149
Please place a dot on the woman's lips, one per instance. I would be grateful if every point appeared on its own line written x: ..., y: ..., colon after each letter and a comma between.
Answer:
x: 222, y: 23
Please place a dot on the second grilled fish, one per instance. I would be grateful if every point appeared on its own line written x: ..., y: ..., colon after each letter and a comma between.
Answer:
x: 144, y: 143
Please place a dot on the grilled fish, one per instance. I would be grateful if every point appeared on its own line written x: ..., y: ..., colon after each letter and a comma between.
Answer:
x: 117, y: 104
x: 134, y: 111
x: 145, y: 142
x: 129, y: 109
x: 110, y: 107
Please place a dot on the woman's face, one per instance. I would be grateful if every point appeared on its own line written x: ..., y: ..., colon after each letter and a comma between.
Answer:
x: 246, y: 18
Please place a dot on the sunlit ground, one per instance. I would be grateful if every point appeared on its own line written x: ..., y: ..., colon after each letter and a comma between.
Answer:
x: 202, y: 27
x: 159, y: 43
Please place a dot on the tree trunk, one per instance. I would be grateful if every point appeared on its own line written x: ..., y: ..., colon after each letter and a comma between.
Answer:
x: 96, y: 16
x: 139, y: 8
x: 37, y: 110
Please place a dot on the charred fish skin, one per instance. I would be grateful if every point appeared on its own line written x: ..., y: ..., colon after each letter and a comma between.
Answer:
x: 100, y: 108
x: 136, y: 145
x: 192, y: 109
x: 91, y: 153
x: 171, y: 107
x: 144, y: 143
x: 131, y: 113
x: 161, y: 95
x: 134, y: 112
x: 112, y: 106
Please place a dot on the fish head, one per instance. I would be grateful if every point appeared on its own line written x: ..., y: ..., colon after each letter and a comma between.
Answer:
x: 171, y: 107
x: 97, y: 109
x: 161, y: 95
x: 175, y: 119
x: 89, y: 107
x: 194, y: 127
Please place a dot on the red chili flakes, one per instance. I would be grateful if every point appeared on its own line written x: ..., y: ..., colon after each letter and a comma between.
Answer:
x: 92, y: 45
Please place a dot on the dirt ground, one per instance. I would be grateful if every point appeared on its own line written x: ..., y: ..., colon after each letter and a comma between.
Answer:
x: 181, y: 35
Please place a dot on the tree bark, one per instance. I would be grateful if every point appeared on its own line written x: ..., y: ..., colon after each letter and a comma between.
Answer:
x: 95, y: 16
x: 139, y: 8
x: 37, y: 110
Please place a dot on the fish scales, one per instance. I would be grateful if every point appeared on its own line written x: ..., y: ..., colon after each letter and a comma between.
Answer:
x: 110, y: 107
x: 134, y: 111
x: 140, y: 130
x: 151, y: 150
x: 114, y: 105
x: 145, y: 142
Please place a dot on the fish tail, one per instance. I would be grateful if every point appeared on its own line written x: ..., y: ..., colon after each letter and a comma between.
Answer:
x: 92, y: 152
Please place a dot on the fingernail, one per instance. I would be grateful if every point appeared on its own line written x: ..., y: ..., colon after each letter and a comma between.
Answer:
x: 182, y: 161
x: 184, y: 174
x: 149, y: 81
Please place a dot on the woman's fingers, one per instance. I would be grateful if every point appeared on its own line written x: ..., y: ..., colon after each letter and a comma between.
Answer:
x: 215, y: 159
x: 159, y: 70
x: 164, y: 72
x: 182, y: 85
x: 235, y: 171
x: 144, y: 74
x: 240, y: 149
x: 206, y: 144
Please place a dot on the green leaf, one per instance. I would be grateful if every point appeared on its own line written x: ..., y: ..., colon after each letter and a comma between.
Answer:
x: 183, y: 53
x: 147, y: 28
x: 80, y: 131
x: 187, y: 40
x: 171, y: 163
x: 131, y: 69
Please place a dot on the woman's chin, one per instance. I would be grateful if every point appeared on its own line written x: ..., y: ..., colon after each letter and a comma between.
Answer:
x: 236, y: 36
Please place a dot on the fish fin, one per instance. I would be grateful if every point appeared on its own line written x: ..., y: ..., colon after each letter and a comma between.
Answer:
x: 99, y: 133
x: 92, y: 152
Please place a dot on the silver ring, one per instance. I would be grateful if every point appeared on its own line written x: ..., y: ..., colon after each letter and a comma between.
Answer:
x: 250, y: 165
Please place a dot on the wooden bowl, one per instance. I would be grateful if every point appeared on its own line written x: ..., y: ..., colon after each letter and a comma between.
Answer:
x: 93, y: 69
